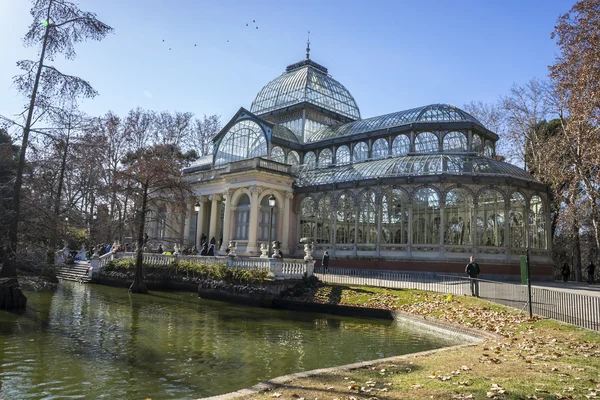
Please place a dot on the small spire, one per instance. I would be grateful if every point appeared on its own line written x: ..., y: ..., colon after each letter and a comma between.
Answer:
x: 308, y: 47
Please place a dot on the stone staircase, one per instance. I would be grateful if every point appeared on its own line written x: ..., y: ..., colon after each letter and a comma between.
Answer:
x: 76, y: 272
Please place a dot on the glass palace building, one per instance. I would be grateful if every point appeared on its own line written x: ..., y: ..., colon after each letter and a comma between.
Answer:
x: 418, y: 189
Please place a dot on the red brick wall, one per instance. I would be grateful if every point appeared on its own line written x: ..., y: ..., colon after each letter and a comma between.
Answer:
x: 544, y: 272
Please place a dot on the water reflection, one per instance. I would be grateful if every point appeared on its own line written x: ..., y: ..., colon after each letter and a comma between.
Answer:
x: 86, y: 341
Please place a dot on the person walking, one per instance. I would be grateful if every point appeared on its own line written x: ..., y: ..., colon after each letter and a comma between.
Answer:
x: 325, y: 261
x: 591, y: 269
x: 566, y: 272
x: 473, y: 271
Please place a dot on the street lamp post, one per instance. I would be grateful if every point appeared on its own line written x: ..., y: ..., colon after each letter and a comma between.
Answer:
x: 272, y: 202
x: 197, y: 209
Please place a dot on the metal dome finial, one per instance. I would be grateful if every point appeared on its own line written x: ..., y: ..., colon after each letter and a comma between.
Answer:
x: 308, y: 47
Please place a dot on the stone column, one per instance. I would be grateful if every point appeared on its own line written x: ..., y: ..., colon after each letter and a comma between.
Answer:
x: 226, y: 219
x: 475, y: 210
x: 171, y: 234
x: 253, y: 223
x: 200, y: 221
x: 507, y: 243
x: 410, y: 228
x: 379, y: 232
x: 189, y: 210
x: 214, y: 216
x: 285, y: 234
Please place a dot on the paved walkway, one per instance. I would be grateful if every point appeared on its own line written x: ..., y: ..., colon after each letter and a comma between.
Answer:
x: 571, y: 287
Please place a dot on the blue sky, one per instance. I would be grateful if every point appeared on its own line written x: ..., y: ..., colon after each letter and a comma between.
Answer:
x: 391, y: 55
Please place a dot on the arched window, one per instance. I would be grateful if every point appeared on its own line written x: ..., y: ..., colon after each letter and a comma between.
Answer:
x: 307, y: 218
x: 325, y: 158
x: 394, y: 216
x: 516, y: 220
x: 537, y: 224
x: 368, y: 216
x: 489, y: 149
x: 342, y: 155
x: 242, y: 217
x: 455, y: 141
x: 380, y: 149
x: 458, y: 217
x: 277, y: 154
x: 490, y: 218
x: 310, y: 159
x: 477, y: 144
x: 293, y: 158
x: 346, y: 215
x: 360, y: 152
x: 426, y: 217
x: 264, y: 220
x: 400, y: 145
x: 427, y: 142
x: 325, y: 220
x: 244, y: 140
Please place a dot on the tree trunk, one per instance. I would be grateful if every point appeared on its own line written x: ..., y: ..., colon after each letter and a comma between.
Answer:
x: 54, y: 233
x: 576, y: 250
x: 8, y: 265
x: 11, y: 296
x: 138, y: 280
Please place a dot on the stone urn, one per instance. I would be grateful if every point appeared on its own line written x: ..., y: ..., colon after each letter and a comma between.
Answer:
x: 264, y: 249
x: 276, y: 249
x: 232, y: 248
x: 308, y: 249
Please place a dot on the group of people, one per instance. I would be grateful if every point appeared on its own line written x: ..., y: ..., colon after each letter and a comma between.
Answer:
x: 590, y: 269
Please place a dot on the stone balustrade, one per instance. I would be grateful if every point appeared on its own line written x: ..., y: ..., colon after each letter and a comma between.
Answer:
x: 279, y: 269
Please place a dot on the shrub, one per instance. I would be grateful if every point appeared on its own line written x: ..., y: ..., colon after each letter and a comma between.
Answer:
x: 218, y: 272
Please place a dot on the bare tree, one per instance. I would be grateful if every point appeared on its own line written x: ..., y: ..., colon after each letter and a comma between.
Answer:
x: 64, y: 24
x: 204, y: 131
x: 155, y: 174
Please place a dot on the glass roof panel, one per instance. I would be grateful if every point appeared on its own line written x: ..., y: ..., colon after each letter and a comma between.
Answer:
x: 430, y: 113
x: 413, y: 165
x: 306, y: 81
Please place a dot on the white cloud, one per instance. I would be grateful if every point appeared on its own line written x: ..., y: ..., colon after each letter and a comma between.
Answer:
x: 147, y: 94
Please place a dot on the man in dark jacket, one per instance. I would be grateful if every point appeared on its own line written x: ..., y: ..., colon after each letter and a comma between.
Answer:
x: 591, y: 269
x: 472, y: 270
x: 325, y: 261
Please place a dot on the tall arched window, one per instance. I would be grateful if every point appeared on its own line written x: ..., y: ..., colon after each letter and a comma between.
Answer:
x: 325, y: 158
x: 477, y: 144
x: 277, y: 154
x: 310, y: 159
x: 537, y: 224
x: 426, y: 217
x: 394, y: 217
x: 489, y: 149
x: 244, y: 140
x: 455, y: 141
x: 368, y: 216
x: 381, y: 149
x: 360, y: 152
x: 458, y: 217
x: 264, y: 219
x: 490, y: 218
x: 242, y: 217
x: 427, y: 142
x: 346, y: 215
x: 307, y: 218
x: 293, y: 158
x: 325, y: 220
x: 516, y: 220
x: 400, y: 145
x: 342, y: 155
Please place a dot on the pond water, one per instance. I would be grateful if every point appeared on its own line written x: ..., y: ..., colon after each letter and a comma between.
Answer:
x: 89, y: 341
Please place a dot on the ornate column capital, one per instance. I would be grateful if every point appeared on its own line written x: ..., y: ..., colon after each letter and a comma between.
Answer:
x: 214, y: 197
x: 255, y: 189
x: 226, y: 193
x: 202, y: 199
x: 289, y: 195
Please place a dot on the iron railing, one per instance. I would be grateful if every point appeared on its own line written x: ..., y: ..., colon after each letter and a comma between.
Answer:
x: 573, y: 308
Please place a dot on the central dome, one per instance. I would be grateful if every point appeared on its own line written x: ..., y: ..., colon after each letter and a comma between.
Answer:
x: 306, y: 81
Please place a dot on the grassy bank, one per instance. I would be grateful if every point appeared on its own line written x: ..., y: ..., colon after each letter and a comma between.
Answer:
x: 527, y: 359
